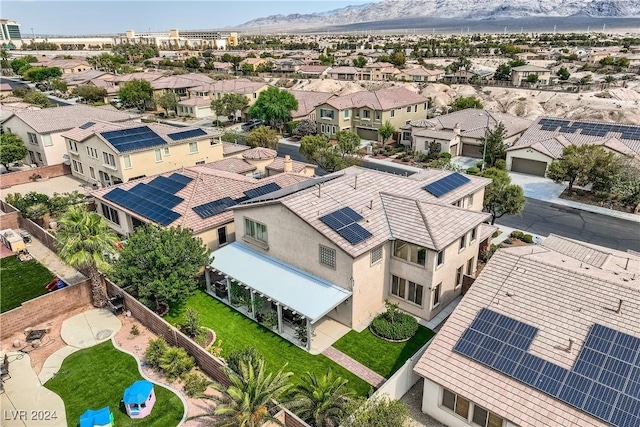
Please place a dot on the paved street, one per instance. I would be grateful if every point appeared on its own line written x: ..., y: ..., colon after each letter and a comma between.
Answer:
x: 543, y: 218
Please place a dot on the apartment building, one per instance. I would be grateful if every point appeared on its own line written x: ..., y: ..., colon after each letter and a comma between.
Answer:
x: 104, y: 154
x: 193, y: 197
x: 343, y: 243
x: 41, y: 130
x: 547, y: 335
x: 364, y: 112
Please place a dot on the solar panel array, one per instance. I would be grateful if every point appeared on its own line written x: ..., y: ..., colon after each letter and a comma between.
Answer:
x: 153, y: 200
x: 590, y: 129
x: 344, y: 222
x: 604, y: 381
x: 87, y: 125
x: 133, y: 139
x: 215, y: 207
x: 177, y: 136
x: 444, y: 185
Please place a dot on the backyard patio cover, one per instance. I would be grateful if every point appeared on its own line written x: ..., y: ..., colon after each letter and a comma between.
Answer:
x: 302, y: 292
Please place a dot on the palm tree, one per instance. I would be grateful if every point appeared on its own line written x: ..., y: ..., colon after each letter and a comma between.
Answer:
x: 85, y: 241
x: 321, y: 401
x: 250, y: 398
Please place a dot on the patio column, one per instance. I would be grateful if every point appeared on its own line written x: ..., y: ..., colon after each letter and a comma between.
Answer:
x: 253, y: 307
x: 228, y: 288
x: 279, y: 317
x: 207, y: 278
x: 308, y: 334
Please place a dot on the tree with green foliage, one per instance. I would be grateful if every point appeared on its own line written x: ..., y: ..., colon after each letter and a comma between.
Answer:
x: 464, y: 102
x: 37, y: 98
x: 251, y: 398
x: 377, y: 412
x: 321, y: 401
x: 90, y: 93
x: 192, y: 63
x: 12, y: 149
x: 386, y: 130
x: 607, y: 61
x: 572, y: 167
x: 274, y: 106
x: 4, y: 59
x: 563, y: 74
x: 326, y: 59
x: 85, y: 242
x: 319, y: 150
x: 229, y: 105
x: 111, y: 63
x: 20, y: 65
x: 136, y: 94
x: 503, y: 72
x: 359, y: 61
x: 306, y: 127
x: 38, y: 74
x: 167, y: 100
x: 262, y: 136
x: 501, y: 197
x: 494, y: 144
x: 248, y: 355
x: 622, y: 62
x: 136, y: 51
x: 462, y: 63
x: 161, y: 264
x: 57, y: 84
x: 532, y: 78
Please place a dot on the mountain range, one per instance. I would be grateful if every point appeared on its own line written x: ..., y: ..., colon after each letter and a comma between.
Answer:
x: 453, y: 9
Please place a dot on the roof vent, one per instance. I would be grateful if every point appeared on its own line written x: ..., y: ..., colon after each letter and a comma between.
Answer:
x: 510, y: 294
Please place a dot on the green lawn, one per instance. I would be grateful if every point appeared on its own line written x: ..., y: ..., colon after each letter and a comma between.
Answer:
x: 237, y: 332
x: 382, y: 356
x: 97, y: 377
x: 21, y: 281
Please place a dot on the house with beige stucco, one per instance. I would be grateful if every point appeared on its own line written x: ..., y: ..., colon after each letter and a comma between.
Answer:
x: 420, y: 75
x: 41, y: 130
x: 326, y: 253
x: 198, y: 103
x: 523, y: 73
x: 193, y: 197
x: 103, y: 153
x: 364, y: 112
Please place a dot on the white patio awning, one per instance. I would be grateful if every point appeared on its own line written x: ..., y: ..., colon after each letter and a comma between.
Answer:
x: 308, y: 295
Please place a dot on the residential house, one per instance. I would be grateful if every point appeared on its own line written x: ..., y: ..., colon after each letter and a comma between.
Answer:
x: 520, y: 75
x: 260, y: 162
x: 307, y: 103
x: 594, y: 55
x: 104, y: 154
x: 200, y: 97
x: 364, y: 112
x: 461, y: 133
x: 313, y: 71
x: 41, y: 130
x: 420, y: 75
x: 379, y: 71
x: 67, y: 66
x: 288, y: 65
x: 344, y: 73
x: 546, y: 336
x: 74, y: 80
x: 194, y: 197
x: 468, y: 76
x: 8, y: 86
x: 547, y: 137
x: 223, y: 67
x: 252, y: 64
x: 12, y: 104
x: 343, y: 243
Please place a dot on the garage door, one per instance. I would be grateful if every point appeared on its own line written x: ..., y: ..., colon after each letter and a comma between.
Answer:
x: 471, y: 150
x: 530, y: 167
x: 369, y: 134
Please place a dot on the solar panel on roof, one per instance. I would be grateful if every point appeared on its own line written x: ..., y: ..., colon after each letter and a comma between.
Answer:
x: 604, y: 381
x: 215, y: 207
x: 156, y: 195
x: 177, y: 136
x: 262, y: 190
x: 354, y: 233
x: 138, y: 138
x: 87, y: 125
x: 343, y: 222
x: 166, y: 184
x: 141, y: 206
x: 182, y: 179
x: 444, y: 185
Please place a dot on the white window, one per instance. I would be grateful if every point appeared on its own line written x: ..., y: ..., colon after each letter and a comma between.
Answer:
x: 39, y: 156
x: 333, y: 130
x: 455, y: 403
x: 377, y: 115
x: 436, y: 295
x: 484, y: 418
x: 47, y: 141
x: 393, y: 113
x: 33, y: 139
x: 470, y: 200
x: 193, y: 147
x: 409, y: 109
x: 166, y: 151
x: 410, y: 252
x: 440, y: 258
x: 92, y: 152
x: 459, y: 275
x: 346, y: 114
x: 77, y: 166
x: 463, y: 242
x: 110, y: 214
x: 158, y: 155
x: 425, y: 106
x: 127, y: 161
x: 108, y: 159
x: 72, y: 146
x: 415, y: 108
x: 376, y: 255
x: 255, y: 230
x: 474, y: 234
x: 366, y: 114
x: 407, y: 290
x: 328, y: 256
x: 470, y: 267
x: 92, y: 172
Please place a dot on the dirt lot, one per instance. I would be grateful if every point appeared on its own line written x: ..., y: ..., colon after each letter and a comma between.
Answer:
x: 589, y: 199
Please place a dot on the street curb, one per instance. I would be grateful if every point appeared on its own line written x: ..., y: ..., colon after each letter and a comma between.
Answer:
x: 592, y: 209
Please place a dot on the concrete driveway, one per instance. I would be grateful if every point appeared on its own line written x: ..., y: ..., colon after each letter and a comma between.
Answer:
x: 537, y: 187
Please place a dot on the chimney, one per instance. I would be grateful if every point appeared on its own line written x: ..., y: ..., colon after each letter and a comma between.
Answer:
x: 288, y: 164
x: 456, y: 129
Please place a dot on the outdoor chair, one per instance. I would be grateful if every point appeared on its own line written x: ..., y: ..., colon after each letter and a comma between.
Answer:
x: 116, y: 304
x: 4, y: 368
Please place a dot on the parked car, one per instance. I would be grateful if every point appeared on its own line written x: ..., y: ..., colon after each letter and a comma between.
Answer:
x: 251, y: 124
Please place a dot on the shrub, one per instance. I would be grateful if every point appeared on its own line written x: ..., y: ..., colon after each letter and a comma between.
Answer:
x: 175, y: 362
x: 479, y: 164
x: 215, y: 348
x: 191, y: 325
x: 473, y: 170
x: 486, y: 253
x: 515, y: 234
x: 270, y: 319
x: 501, y: 164
x: 394, y: 324
x: 155, y: 350
x: 134, y: 330
x: 445, y: 155
x: 495, y: 234
x: 248, y: 355
x: 527, y: 238
x: 195, y: 384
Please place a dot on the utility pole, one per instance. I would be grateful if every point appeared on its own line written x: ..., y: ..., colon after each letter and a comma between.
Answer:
x: 34, y: 41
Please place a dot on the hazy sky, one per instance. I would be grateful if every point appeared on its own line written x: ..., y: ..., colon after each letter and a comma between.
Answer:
x: 95, y: 17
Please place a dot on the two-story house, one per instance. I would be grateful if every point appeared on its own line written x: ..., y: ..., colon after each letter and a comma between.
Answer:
x: 364, y: 112
x: 199, y: 102
x: 379, y: 71
x: 420, y: 75
x: 520, y: 75
x: 339, y: 245
x: 41, y: 130
x: 104, y: 154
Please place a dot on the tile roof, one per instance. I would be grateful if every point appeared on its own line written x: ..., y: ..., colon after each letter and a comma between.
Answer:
x: 195, y: 102
x: 383, y: 99
x: 259, y: 153
x: 362, y: 190
x: 308, y: 101
x: 553, y: 142
x: 83, y: 76
x: 206, y: 186
x: 232, y: 164
x: 296, y: 166
x: 312, y: 69
x: 559, y: 295
x: 229, y: 148
x: 532, y: 68
x: 473, y: 122
x: 57, y: 119
x: 344, y: 70
x: 239, y: 86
